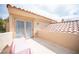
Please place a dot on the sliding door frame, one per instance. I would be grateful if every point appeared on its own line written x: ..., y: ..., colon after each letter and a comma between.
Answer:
x: 25, y: 32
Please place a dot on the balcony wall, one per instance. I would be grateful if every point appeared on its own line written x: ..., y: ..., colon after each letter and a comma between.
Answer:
x: 5, y: 39
x: 67, y: 40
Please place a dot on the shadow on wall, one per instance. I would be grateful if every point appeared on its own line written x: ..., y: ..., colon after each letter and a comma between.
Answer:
x: 67, y: 40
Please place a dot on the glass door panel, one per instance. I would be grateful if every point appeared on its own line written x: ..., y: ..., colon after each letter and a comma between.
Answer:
x: 24, y: 29
x: 29, y: 29
x: 19, y: 29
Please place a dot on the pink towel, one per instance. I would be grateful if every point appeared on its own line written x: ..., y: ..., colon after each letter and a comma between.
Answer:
x: 12, y: 49
x: 25, y: 51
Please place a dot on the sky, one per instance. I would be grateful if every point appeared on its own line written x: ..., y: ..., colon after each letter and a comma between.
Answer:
x: 53, y: 11
x: 3, y: 11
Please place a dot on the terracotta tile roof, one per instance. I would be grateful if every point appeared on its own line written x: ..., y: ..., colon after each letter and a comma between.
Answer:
x: 67, y: 26
x: 51, y: 20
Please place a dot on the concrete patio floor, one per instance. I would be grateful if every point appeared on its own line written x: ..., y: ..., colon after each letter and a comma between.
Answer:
x: 36, y: 48
x: 56, y: 48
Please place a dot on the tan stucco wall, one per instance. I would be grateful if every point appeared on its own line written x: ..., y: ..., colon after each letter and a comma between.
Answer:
x: 12, y: 24
x: 67, y: 40
x: 21, y: 15
x: 38, y: 26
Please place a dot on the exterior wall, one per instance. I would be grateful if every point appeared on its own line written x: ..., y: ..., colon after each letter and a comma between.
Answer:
x: 35, y: 28
x: 67, y: 40
x: 12, y: 24
x: 17, y: 13
x: 38, y: 26
x: 43, y: 25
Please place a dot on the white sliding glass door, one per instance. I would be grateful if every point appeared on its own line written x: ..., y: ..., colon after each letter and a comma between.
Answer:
x: 23, y: 29
x: 28, y: 29
x: 19, y: 29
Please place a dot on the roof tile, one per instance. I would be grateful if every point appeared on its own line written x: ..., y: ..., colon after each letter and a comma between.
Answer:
x: 69, y: 26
